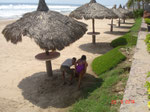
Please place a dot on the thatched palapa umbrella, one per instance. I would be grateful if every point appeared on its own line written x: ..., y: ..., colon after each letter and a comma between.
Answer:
x: 92, y: 10
x: 49, y: 29
x: 124, y: 11
x: 118, y: 13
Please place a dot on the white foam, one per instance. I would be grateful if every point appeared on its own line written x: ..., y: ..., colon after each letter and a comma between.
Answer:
x: 8, y: 11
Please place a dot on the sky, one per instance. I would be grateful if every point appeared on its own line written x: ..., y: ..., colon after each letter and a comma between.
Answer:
x: 104, y: 2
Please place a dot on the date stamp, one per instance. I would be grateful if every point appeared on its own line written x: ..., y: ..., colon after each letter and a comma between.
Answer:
x: 113, y: 102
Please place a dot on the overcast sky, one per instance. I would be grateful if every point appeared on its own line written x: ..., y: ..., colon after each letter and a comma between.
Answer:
x: 104, y: 2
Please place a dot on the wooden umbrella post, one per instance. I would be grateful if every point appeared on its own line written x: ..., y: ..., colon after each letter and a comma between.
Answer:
x: 49, y: 67
x: 119, y: 22
x: 93, y: 36
x: 111, y: 28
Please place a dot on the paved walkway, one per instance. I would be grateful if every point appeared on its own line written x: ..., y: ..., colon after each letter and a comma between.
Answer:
x: 135, y: 89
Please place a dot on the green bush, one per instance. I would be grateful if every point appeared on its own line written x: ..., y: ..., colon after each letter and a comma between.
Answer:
x: 136, y: 27
x: 138, y: 13
x: 107, y: 61
x: 147, y: 21
x: 119, y: 42
x: 128, y: 40
x: 147, y: 41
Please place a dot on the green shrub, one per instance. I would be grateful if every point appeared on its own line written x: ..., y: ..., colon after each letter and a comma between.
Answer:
x: 119, y: 42
x: 128, y: 40
x: 136, y: 27
x: 147, y: 40
x: 148, y: 47
x: 147, y: 21
x: 138, y: 13
x: 107, y: 61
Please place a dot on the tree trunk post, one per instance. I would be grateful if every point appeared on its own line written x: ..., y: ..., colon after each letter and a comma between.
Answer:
x: 93, y: 36
x: 111, y: 28
x: 119, y: 22
x: 49, y: 67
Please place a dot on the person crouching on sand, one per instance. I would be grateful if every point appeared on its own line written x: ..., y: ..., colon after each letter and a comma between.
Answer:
x: 81, y: 66
x: 66, y: 68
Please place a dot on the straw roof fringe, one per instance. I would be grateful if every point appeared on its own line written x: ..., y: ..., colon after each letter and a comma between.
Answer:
x: 49, y: 29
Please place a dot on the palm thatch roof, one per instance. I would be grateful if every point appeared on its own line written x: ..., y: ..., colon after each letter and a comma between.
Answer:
x: 49, y: 29
x: 117, y: 12
x: 92, y: 10
x: 124, y: 11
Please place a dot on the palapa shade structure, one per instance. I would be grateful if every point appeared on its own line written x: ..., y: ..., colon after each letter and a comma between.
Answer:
x: 124, y: 11
x: 49, y: 29
x: 118, y: 13
x: 92, y: 10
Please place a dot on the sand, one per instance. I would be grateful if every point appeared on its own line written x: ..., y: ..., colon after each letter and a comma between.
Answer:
x: 24, y: 85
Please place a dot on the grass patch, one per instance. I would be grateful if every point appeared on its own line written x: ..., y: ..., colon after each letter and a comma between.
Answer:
x: 136, y: 27
x: 107, y: 61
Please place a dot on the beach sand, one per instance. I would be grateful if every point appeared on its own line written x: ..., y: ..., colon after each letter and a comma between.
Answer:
x: 24, y: 85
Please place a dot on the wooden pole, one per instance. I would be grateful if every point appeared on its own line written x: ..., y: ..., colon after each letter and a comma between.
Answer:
x: 119, y: 22
x: 111, y: 28
x: 93, y: 36
x: 49, y: 67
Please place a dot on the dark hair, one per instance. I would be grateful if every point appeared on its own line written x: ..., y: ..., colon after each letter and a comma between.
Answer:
x: 83, y: 57
x: 74, y: 59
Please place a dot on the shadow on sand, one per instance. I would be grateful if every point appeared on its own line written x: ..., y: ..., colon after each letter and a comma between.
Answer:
x: 116, y: 32
x: 124, y: 27
x: 45, y: 92
x: 98, y: 48
x: 127, y: 23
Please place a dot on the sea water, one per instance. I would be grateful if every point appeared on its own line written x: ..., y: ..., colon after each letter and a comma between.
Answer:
x: 16, y: 10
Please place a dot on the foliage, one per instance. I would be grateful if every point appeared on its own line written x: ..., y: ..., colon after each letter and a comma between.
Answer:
x: 128, y: 40
x: 136, y: 27
x: 147, y: 41
x: 147, y: 21
x: 138, y: 13
x: 108, y: 61
x: 147, y: 84
x: 148, y: 74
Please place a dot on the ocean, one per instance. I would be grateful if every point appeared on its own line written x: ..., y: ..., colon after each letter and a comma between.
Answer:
x: 16, y: 10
